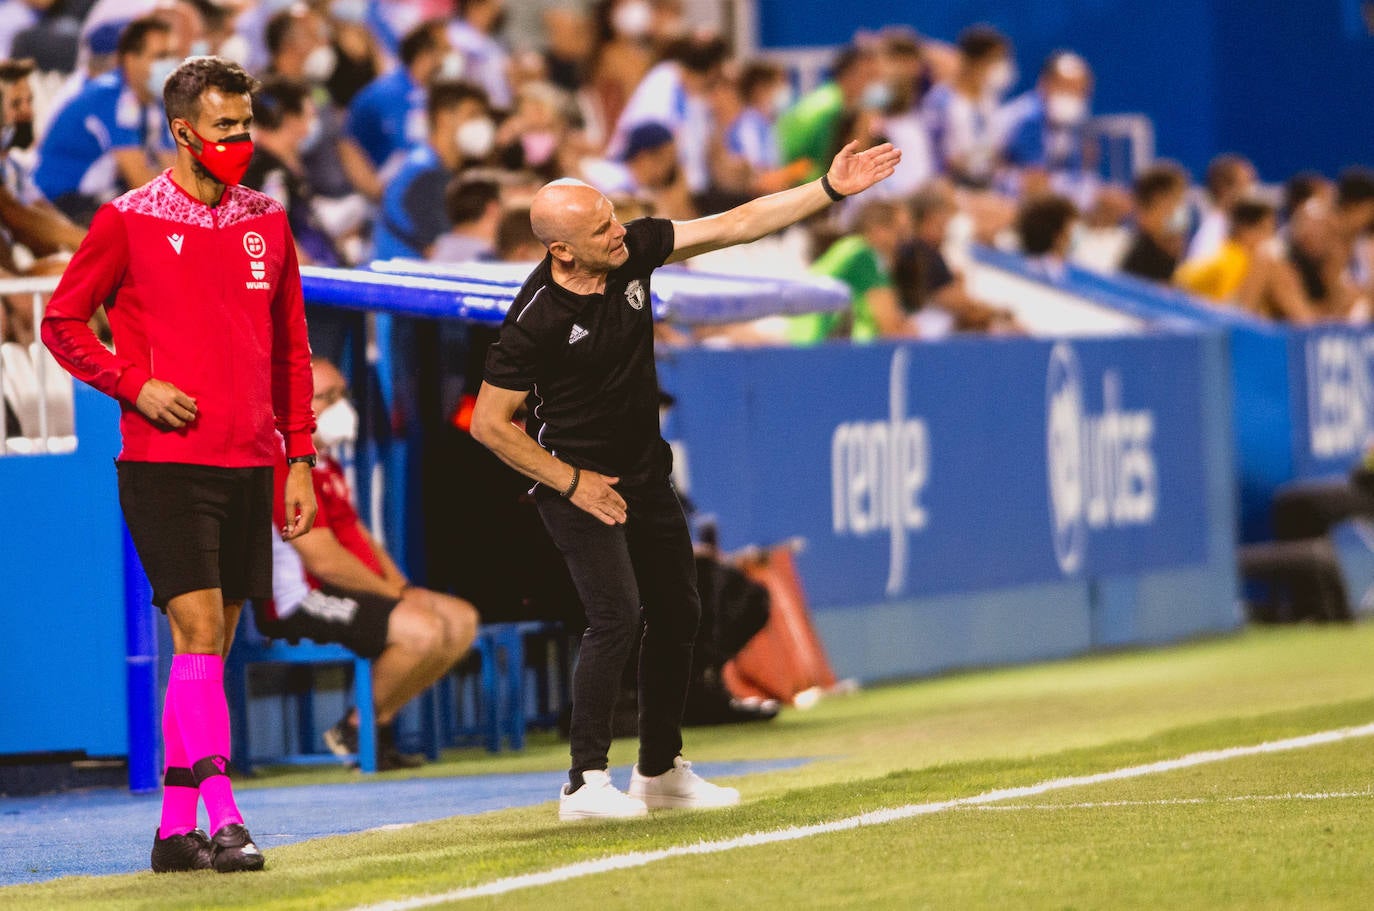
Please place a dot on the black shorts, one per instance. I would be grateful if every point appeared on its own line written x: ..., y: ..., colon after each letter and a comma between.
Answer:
x: 358, y: 622
x: 200, y: 526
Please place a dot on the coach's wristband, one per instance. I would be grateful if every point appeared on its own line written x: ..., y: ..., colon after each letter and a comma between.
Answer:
x: 829, y: 189
x: 572, y: 488
x: 307, y: 459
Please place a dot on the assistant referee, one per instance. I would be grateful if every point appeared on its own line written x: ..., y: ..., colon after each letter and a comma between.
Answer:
x: 212, y: 372
x: 577, y: 343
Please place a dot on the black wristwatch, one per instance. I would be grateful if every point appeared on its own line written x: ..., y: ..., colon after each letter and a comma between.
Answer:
x: 307, y: 459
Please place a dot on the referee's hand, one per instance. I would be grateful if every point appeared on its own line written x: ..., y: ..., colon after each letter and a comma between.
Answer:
x: 165, y: 404
x: 300, y: 502
x: 596, y: 494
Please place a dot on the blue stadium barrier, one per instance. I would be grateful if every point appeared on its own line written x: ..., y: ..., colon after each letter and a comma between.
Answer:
x: 679, y: 295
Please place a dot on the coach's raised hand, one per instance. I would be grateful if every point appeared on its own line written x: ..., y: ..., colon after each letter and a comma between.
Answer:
x: 853, y: 172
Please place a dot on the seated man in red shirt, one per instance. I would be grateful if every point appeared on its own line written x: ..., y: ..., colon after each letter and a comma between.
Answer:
x: 336, y: 583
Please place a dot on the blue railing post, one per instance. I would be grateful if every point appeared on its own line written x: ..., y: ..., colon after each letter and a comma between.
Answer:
x: 140, y: 648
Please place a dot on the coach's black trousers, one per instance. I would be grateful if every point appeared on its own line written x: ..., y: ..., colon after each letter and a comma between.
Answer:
x: 618, y: 569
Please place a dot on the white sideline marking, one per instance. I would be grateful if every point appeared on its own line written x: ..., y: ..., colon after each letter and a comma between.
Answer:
x: 872, y: 818
x: 1174, y: 801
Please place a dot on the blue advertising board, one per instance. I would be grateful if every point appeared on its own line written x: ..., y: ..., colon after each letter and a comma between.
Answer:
x: 917, y: 470
x: 1331, y: 394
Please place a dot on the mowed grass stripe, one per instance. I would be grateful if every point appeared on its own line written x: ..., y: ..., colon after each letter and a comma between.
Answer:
x: 872, y: 818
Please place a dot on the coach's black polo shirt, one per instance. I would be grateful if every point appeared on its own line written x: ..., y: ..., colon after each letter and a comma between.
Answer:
x: 587, y: 361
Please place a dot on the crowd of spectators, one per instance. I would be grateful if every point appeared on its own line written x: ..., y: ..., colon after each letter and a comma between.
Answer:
x: 420, y: 129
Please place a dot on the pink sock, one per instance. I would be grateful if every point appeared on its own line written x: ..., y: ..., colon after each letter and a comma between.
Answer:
x: 179, y: 792
x: 196, y: 692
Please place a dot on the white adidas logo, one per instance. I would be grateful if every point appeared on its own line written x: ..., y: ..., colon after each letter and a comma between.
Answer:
x: 176, y: 240
x: 577, y: 334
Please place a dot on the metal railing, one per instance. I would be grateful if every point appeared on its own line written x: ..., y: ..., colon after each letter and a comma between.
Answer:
x: 33, y: 388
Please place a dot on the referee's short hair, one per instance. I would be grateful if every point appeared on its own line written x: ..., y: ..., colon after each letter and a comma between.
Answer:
x: 181, y: 94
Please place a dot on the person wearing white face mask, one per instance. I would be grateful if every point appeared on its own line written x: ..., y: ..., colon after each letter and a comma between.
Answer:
x: 1045, y: 130
x: 284, y: 117
x: 336, y: 583
x: 962, y: 115
x: 387, y: 118
x: 112, y: 134
x: 298, y: 40
x: 461, y: 132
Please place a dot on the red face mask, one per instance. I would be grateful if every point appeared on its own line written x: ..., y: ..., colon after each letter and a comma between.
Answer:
x: 226, y: 160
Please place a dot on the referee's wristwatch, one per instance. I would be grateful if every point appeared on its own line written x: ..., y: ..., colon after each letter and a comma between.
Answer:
x: 307, y: 459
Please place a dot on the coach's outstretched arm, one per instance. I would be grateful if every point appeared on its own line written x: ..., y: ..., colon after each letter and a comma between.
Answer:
x: 851, y: 172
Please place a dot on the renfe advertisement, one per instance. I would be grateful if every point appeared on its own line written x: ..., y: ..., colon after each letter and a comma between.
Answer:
x: 912, y: 470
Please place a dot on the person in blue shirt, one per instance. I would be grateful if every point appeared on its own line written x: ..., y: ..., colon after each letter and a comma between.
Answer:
x: 1045, y: 129
x: 387, y: 118
x: 111, y: 135
x: 412, y: 215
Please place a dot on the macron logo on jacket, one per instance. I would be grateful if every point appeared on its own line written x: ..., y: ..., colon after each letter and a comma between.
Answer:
x: 176, y: 240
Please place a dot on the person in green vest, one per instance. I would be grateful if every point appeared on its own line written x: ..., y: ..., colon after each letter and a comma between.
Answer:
x: 807, y: 130
x: 863, y: 261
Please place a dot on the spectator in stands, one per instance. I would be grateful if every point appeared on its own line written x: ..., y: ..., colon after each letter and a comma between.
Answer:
x: 932, y: 295
x: 537, y: 136
x: 1230, y: 178
x: 486, y: 62
x: 900, y: 50
x: 473, y: 204
x: 622, y: 56
x: 1045, y: 228
x: 337, y: 583
x: 1244, y: 272
x: 283, y: 119
x: 1045, y: 130
x: 962, y: 115
x: 387, y: 118
x: 1354, y: 221
x: 112, y: 135
x: 26, y: 217
x: 52, y: 43
x: 1161, y: 223
x: 808, y: 131
x: 1312, y: 246
x: 515, y: 238
x: 571, y: 41
x: 17, y: 15
x: 357, y: 51
x: 1325, y: 228
x: 459, y: 126
x: 675, y: 93
x: 863, y: 260
x: 298, y: 42
x: 649, y: 167
x: 744, y: 148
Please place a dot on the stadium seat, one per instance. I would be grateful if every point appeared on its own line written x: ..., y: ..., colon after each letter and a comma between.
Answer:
x: 520, y: 680
x: 250, y: 648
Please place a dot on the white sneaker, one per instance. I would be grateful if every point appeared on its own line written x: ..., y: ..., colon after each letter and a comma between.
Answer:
x: 680, y: 788
x: 597, y: 799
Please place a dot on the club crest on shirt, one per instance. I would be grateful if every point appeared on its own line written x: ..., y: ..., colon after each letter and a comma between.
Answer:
x: 256, y: 248
x: 634, y: 294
